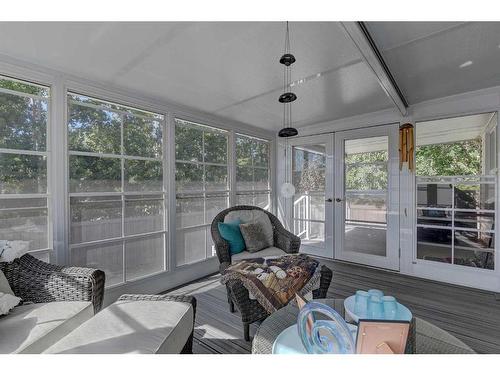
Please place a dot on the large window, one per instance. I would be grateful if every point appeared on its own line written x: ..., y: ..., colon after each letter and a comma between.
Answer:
x: 116, y: 189
x: 24, y: 152
x: 456, y: 190
x: 202, y: 187
x: 253, y: 186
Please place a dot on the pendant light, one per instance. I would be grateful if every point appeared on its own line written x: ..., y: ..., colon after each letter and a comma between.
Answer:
x: 287, y: 97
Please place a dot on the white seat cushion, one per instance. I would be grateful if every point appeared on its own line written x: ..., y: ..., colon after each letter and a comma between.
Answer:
x: 132, y: 327
x: 270, y: 252
x: 35, y: 327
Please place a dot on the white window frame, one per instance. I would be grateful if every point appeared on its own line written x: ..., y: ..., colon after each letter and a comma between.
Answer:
x: 449, y: 273
x: 45, y: 253
x: 204, y: 192
x: 269, y: 169
x: 122, y: 193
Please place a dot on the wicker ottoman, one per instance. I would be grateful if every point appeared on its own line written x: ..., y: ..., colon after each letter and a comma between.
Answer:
x: 136, y: 323
x: 251, y: 310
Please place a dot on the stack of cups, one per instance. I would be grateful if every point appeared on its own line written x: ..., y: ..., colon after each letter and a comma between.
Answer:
x: 374, y: 305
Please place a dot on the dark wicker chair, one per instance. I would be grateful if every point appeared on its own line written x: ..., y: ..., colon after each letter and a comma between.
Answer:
x: 251, y: 311
x: 39, y: 282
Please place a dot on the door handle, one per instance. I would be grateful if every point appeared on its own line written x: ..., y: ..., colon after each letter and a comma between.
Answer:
x: 338, y: 200
x: 329, y: 200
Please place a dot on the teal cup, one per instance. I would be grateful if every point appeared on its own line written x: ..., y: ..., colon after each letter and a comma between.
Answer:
x: 390, y: 307
x: 361, y: 302
x: 375, y: 308
x: 376, y: 292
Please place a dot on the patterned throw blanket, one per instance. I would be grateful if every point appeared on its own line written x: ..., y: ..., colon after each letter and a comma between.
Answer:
x: 274, y: 282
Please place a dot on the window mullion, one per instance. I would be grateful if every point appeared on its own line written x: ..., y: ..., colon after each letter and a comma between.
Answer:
x: 122, y: 160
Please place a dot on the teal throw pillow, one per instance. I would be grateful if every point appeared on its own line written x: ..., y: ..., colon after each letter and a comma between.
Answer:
x: 230, y: 231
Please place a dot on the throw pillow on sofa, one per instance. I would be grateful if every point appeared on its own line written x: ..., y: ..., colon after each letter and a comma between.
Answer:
x: 10, y: 250
x: 255, y: 237
x: 230, y: 231
x: 7, y: 298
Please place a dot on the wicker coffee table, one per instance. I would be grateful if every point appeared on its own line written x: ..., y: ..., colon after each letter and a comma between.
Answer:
x: 429, y: 338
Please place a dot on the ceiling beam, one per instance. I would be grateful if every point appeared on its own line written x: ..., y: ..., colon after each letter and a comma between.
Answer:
x: 357, y: 32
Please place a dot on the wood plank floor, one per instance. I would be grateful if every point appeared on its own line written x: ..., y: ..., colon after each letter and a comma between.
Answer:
x: 471, y: 315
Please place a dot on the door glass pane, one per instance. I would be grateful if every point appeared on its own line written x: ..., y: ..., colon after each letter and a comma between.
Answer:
x: 309, y: 179
x: 366, y: 180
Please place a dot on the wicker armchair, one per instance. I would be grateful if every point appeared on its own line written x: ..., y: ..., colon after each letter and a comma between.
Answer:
x: 39, y: 282
x: 251, y: 310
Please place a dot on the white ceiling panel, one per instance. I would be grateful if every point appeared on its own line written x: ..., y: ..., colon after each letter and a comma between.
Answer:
x: 436, y: 59
x: 226, y: 68
x: 340, y: 93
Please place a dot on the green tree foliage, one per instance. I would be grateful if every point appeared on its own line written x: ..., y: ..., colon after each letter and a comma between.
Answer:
x: 308, y: 171
x: 251, y: 153
x: 23, y: 122
x: 449, y: 159
x: 366, y: 171
x: 99, y: 130
x: 194, y: 146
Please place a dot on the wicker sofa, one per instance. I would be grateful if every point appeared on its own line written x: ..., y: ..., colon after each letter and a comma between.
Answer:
x: 56, y: 300
x: 59, y: 314
x: 284, y: 243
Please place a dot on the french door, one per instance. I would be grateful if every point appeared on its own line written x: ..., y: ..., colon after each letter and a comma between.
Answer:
x: 310, y: 164
x: 346, y: 200
x: 367, y: 196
